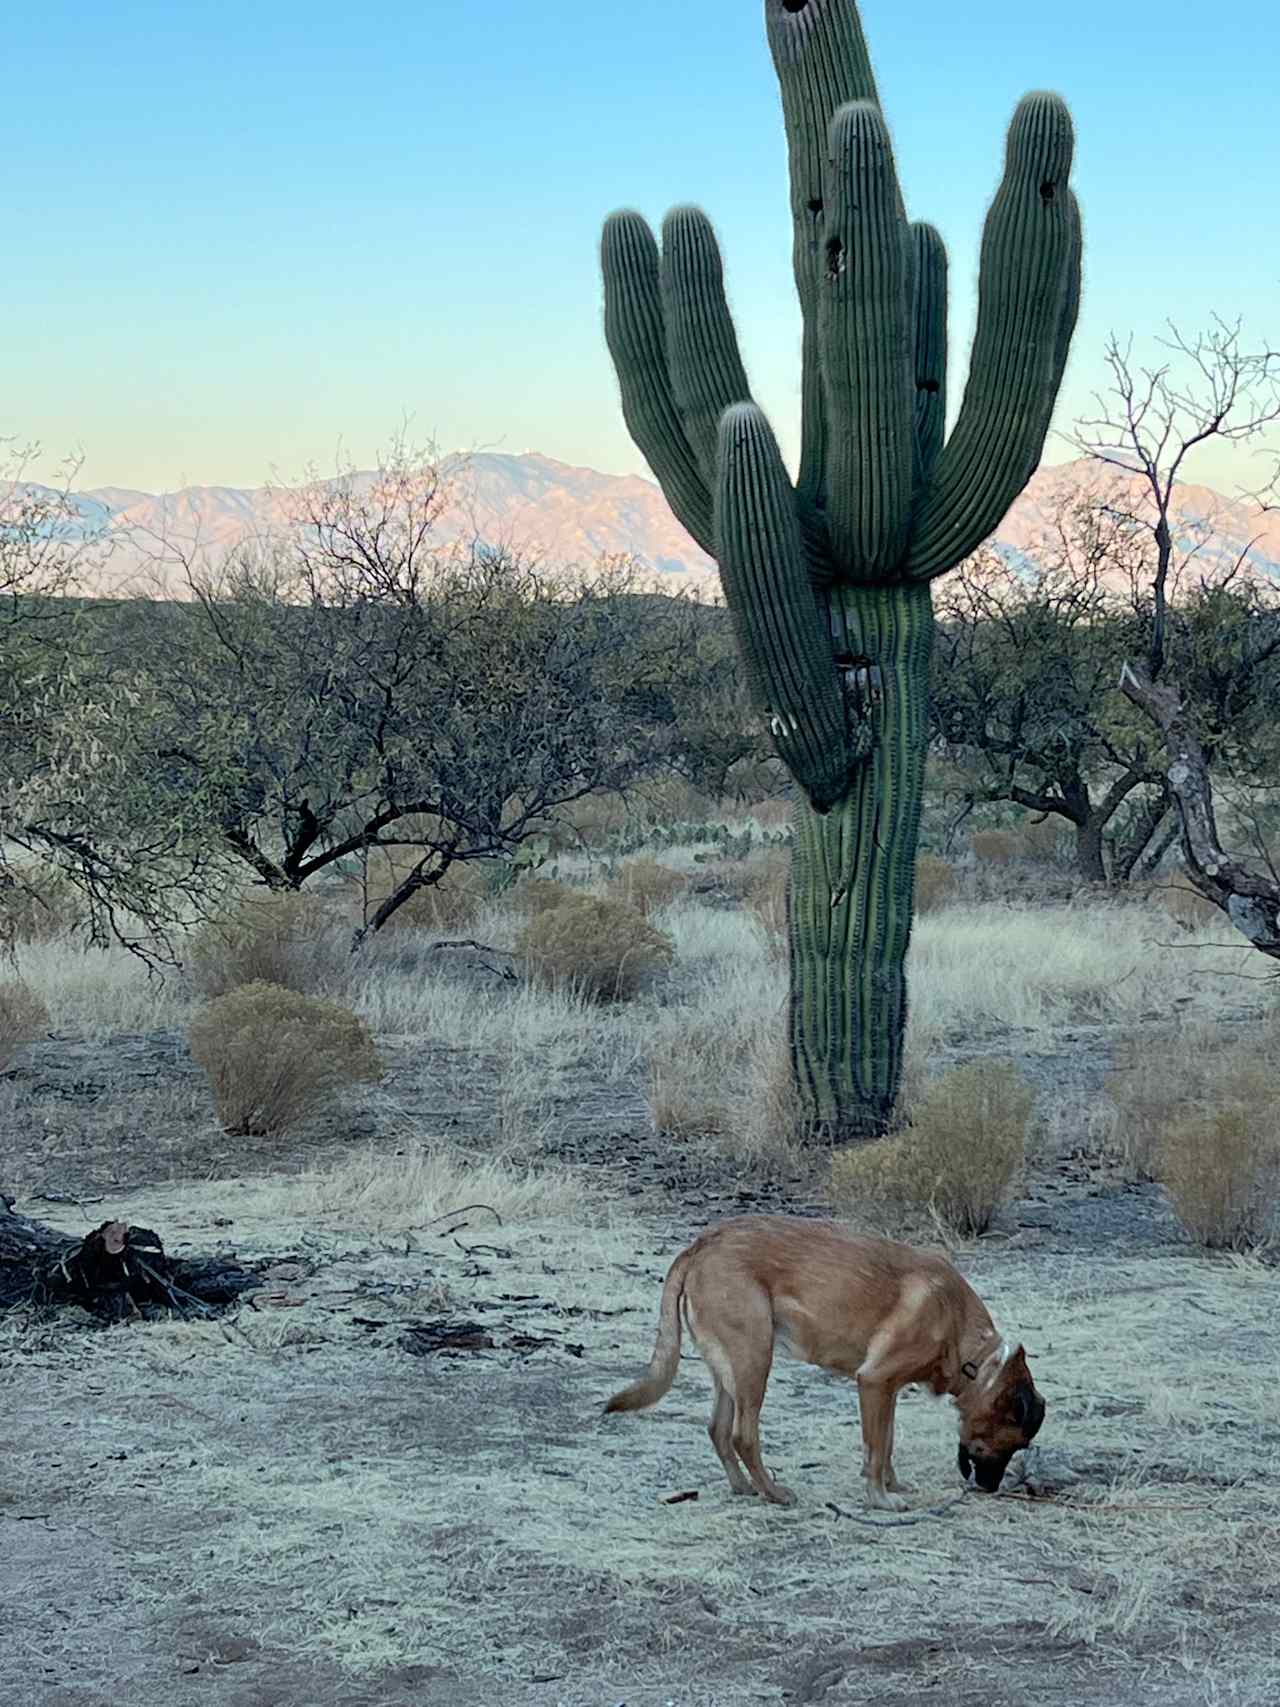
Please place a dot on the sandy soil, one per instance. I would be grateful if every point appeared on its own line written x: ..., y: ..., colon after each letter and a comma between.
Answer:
x: 291, y: 1509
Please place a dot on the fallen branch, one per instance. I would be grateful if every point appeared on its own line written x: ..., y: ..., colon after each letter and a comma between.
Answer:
x: 1250, y: 901
x: 114, y: 1271
x: 898, y: 1522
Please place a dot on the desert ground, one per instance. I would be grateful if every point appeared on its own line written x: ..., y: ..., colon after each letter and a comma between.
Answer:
x: 301, y: 1504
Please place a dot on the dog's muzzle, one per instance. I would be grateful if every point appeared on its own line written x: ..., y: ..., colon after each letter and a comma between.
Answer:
x: 984, y: 1473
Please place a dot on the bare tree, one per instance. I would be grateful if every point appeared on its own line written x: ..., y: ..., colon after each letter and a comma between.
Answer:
x: 1211, y: 388
x: 359, y: 686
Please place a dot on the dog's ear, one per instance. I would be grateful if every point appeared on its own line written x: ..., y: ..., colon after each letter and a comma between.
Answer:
x: 1018, y: 1362
x: 1024, y: 1405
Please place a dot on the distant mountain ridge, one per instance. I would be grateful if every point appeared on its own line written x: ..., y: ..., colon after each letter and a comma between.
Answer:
x: 570, y: 516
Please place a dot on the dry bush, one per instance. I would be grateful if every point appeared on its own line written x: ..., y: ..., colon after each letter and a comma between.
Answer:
x: 1158, y: 1082
x: 1219, y: 1158
x: 646, y: 885
x: 267, y: 938
x: 692, y: 1084
x: 442, y: 908
x: 540, y: 894
x: 274, y: 1056
x: 40, y: 906
x: 994, y: 847
x: 935, y: 883
x: 23, y: 1018
x: 1041, y: 838
x: 596, y: 947
x: 957, y: 1159
x: 1187, y: 906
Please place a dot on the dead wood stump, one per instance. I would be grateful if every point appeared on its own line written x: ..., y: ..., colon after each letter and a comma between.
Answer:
x: 114, y: 1271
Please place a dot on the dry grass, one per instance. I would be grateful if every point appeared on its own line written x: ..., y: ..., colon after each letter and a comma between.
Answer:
x: 24, y: 1016
x: 956, y: 1161
x: 422, y: 1184
x: 599, y: 949
x: 935, y: 883
x: 647, y: 886
x: 1188, y: 907
x: 273, y: 1056
x: 287, y: 939
x: 453, y: 904
x: 1161, y: 1079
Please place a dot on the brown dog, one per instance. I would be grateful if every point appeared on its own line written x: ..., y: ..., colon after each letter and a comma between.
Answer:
x: 885, y: 1314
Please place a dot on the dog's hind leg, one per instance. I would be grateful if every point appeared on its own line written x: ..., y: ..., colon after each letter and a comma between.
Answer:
x: 720, y: 1428
x: 748, y: 1398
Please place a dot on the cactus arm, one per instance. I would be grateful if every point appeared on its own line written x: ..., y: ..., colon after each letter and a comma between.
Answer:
x: 634, y: 332
x: 1030, y: 255
x: 864, y: 333
x: 784, y: 640
x: 929, y: 333
x: 706, y: 370
x: 822, y: 62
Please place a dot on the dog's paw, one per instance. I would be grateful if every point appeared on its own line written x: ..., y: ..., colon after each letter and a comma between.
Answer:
x: 781, y: 1495
x: 883, y: 1500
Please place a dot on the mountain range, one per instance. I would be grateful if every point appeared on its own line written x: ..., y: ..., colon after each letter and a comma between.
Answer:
x: 570, y: 515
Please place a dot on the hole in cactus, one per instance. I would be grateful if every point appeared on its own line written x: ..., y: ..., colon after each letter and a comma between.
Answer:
x: 794, y: 5
x: 1046, y: 191
x: 814, y: 204
x: 929, y: 385
x: 835, y: 257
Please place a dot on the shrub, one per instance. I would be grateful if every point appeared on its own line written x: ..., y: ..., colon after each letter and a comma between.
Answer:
x: 994, y: 847
x: 596, y: 946
x: 646, y: 885
x: 23, y: 1018
x: 956, y: 1160
x: 935, y: 883
x: 1041, y: 838
x: 1157, y: 1079
x: 39, y: 906
x: 1187, y: 906
x: 540, y: 894
x: 267, y: 938
x: 1220, y: 1164
x: 442, y: 908
x: 274, y: 1056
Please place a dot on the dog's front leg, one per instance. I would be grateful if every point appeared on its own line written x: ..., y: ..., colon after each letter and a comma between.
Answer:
x: 876, y: 1403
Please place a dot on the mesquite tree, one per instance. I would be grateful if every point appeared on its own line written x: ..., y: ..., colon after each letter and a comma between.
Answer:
x: 828, y: 579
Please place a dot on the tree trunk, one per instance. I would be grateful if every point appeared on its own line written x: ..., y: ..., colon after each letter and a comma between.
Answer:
x: 114, y: 1271
x: 1126, y: 858
x: 852, y: 883
x: 1250, y: 901
x: 1090, y: 865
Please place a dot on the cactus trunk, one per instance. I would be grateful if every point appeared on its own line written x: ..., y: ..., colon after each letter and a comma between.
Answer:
x: 852, y: 884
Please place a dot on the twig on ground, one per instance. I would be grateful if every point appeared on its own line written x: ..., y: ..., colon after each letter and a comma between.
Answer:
x: 898, y: 1522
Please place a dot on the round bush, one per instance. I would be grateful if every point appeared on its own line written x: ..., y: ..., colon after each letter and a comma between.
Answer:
x: 23, y: 1017
x: 274, y: 1056
x: 596, y: 946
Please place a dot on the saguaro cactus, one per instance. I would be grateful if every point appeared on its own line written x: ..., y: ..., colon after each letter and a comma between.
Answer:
x: 828, y: 578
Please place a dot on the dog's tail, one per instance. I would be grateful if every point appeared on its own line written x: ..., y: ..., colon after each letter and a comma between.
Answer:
x: 666, y: 1351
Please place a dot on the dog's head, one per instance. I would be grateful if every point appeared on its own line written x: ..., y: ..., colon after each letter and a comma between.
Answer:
x: 1000, y: 1413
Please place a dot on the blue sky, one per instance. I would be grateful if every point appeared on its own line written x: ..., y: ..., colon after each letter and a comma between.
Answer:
x: 240, y: 236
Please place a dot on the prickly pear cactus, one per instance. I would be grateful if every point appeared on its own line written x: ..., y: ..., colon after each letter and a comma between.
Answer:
x: 828, y: 578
